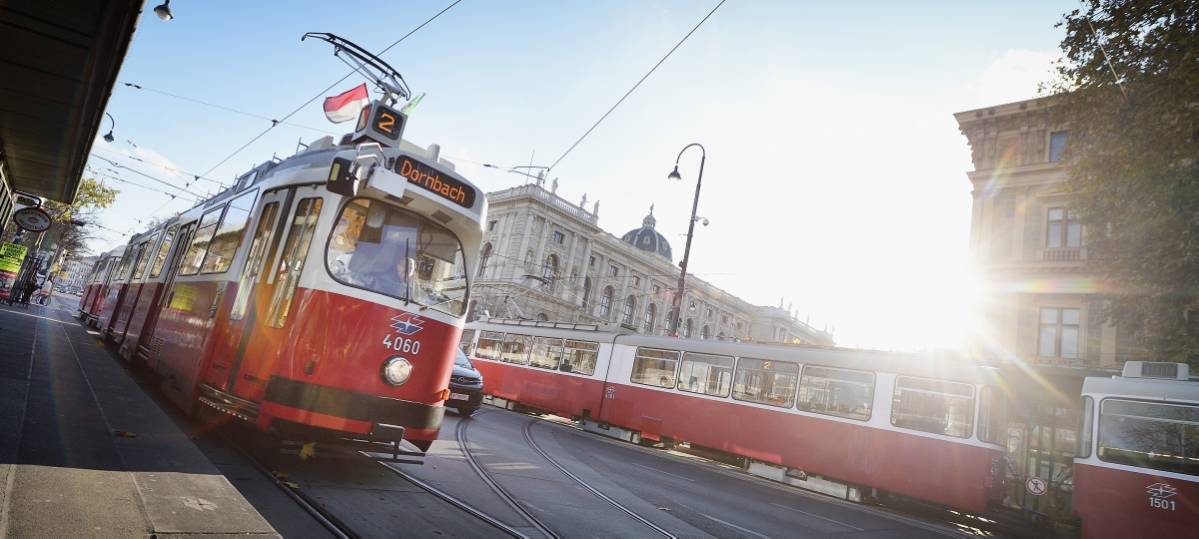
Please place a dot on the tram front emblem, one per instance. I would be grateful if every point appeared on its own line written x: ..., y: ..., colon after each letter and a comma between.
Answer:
x: 407, y: 323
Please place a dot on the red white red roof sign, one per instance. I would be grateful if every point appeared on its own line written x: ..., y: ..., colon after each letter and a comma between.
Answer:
x: 1035, y: 485
x: 32, y: 219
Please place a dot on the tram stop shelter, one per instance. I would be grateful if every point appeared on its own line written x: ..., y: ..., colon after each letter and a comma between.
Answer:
x: 59, y: 62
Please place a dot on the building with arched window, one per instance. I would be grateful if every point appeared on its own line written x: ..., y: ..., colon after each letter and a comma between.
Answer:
x: 549, y: 256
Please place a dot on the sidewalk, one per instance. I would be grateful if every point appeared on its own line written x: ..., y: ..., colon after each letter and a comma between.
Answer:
x: 65, y: 468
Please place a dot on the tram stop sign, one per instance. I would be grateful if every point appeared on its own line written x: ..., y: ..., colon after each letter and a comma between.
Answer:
x: 1035, y: 485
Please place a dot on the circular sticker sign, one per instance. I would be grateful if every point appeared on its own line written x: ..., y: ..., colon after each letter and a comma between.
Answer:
x: 32, y: 219
x: 1035, y: 485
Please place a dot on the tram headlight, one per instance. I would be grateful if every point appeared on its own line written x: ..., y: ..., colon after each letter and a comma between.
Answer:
x: 396, y: 370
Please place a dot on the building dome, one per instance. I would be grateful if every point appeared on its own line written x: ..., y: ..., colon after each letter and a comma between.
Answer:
x: 648, y: 239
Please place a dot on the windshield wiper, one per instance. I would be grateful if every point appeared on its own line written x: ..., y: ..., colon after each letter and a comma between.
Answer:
x: 447, y: 300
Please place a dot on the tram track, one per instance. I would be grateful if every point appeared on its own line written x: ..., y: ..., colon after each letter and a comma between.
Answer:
x: 514, y: 502
x: 330, y: 522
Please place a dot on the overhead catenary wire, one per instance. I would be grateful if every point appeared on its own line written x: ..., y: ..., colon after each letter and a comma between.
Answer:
x: 275, y: 123
x: 227, y: 109
x: 626, y: 95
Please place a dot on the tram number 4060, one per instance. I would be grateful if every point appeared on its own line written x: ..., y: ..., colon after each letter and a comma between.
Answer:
x: 1161, y: 503
x: 400, y: 344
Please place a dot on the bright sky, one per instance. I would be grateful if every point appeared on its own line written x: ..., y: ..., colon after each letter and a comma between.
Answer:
x: 835, y: 177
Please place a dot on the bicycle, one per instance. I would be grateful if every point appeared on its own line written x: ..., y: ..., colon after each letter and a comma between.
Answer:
x: 40, y: 298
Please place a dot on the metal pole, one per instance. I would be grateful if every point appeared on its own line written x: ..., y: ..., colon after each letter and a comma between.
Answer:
x: 677, y: 315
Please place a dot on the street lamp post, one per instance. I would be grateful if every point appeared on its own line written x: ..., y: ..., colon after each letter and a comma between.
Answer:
x: 677, y: 314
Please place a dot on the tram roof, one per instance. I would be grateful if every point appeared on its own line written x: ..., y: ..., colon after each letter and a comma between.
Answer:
x: 868, y: 360
x: 60, y: 61
x: 1119, y: 386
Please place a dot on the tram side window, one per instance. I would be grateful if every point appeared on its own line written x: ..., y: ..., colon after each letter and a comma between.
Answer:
x: 579, y: 357
x: 655, y: 367
x: 992, y: 416
x: 1086, y: 425
x: 249, y: 274
x: 164, y: 249
x: 126, y: 261
x: 837, y: 392
x: 1150, y: 435
x: 516, y: 348
x: 547, y: 353
x: 203, y: 235
x: 490, y: 344
x: 228, y: 235
x: 934, y: 406
x: 287, y: 278
x: 142, y: 261
x: 706, y: 374
x: 468, y: 335
x: 765, y: 382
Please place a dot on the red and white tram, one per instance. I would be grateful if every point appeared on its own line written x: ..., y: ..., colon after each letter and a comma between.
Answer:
x: 1136, y: 471
x: 856, y: 424
x: 96, y: 289
x: 321, y: 297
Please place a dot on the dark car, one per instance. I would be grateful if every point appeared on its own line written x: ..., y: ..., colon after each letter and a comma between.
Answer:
x: 466, y: 386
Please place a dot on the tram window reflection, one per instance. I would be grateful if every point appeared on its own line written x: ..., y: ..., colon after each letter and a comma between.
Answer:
x: 934, y: 406
x: 1150, y: 435
x: 992, y: 416
x: 199, y: 244
x: 837, y: 392
x: 227, y: 237
x: 654, y: 367
x: 516, y: 348
x: 579, y: 357
x: 490, y: 344
x: 393, y: 251
x: 706, y: 374
x: 547, y: 353
x: 766, y: 382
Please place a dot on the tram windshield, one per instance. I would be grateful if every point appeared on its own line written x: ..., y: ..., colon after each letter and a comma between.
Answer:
x: 393, y: 251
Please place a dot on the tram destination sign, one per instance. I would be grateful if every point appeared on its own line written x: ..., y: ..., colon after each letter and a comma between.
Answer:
x: 434, y: 180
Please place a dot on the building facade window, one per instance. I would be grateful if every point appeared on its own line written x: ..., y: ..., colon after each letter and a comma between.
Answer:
x: 542, y: 317
x: 559, y: 237
x: 724, y: 319
x: 591, y: 262
x: 709, y: 314
x: 484, y: 259
x: 1057, y: 143
x: 613, y: 271
x: 651, y: 312
x: 657, y: 289
x: 703, y: 332
x: 549, y: 272
x: 1063, y: 229
x: 630, y: 304
x: 687, y: 328
x: 492, y: 225
x: 636, y: 281
x: 1059, y: 332
x: 606, y: 302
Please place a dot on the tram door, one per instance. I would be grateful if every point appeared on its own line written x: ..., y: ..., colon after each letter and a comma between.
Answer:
x: 267, y: 320
x: 1041, y: 444
x: 222, y: 374
x: 168, y: 292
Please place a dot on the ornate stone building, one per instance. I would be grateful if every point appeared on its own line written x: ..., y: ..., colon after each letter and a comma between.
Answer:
x: 546, y: 258
x: 1028, y: 250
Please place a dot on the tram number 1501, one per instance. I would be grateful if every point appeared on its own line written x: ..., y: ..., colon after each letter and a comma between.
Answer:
x: 400, y: 344
x: 1161, y: 503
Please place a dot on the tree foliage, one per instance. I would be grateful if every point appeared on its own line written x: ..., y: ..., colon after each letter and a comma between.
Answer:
x: 1128, y: 91
x: 73, y: 224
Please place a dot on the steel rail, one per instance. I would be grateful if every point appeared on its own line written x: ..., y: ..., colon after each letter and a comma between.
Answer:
x: 526, y: 430
x: 331, y: 523
x: 503, y: 494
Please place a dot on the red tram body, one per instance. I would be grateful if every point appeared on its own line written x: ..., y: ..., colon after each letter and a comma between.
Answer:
x: 1136, y: 470
x: 855, y: 424
x: 321, y: 297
